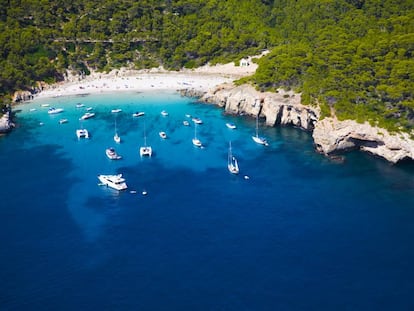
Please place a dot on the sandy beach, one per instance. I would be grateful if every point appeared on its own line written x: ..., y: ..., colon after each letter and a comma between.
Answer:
x: 200, y: 79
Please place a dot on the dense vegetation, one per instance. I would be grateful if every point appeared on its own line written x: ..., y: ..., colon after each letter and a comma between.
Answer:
x: 353, y: 57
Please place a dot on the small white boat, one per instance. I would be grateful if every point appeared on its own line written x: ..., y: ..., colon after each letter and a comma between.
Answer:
x: 116, y: 182
x: 138, y: 114
x: 111, y: 154
x: 196, y: 141
x: 164, y: 113
x: 117, y: 138
x: 257, y: 139
x: 232, y: 164
x: 116, y: 110
x: 186, y: 123
x: 44, y: 105
x: 230, y: 125
x: 61, y: 121
x: 54, y: 110
x: 197, y: 120
x: 145, y: 151
x: 188, y: 115
x: 32, y: 109
x: 163, y: 135
x: 89, y: 108
x: 82, y: 133
x: 79, y: 105
x: 87, y: 115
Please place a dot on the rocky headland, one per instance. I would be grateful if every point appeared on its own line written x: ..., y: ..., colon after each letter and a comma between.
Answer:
x: 330, y: 135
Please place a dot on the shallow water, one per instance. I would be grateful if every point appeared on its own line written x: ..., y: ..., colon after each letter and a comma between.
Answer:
x: 302, y: 233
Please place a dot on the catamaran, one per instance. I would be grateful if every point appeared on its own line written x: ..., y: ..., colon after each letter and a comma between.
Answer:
x: 232, y: 164
x: 257, y: 138
x: 145, y: 150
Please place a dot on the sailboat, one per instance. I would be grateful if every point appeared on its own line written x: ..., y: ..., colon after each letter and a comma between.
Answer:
x: 145, y: 150
x: 117, y: 138
x: 196, y: 141
x: 232, y: 164
x: 257, y: 138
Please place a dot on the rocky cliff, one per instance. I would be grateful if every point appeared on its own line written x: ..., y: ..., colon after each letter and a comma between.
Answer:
x: 283, y: 108
x: 330, y: 135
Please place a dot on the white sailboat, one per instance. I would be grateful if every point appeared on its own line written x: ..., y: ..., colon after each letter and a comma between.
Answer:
x: 145, y: 150
x: 257, y: 138
x: 196, y: 141
x: 117, y: 138
x: 232, y: 164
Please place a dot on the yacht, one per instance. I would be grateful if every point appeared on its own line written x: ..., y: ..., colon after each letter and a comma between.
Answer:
x: 163, y: 135
x: 230, y: 125
x: 232, y: 164
x: 259, y: 140
x: 54, y: 110
x: 87, y: 115
x: 197, y: 120
x: 138, y: 114
x: 82, y: 133
x: 196, y: 141
x: 111, y: 154
x: 116, y: 182
x: 145, y: 150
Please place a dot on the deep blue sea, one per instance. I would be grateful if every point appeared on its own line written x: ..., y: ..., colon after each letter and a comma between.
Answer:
x: 301, y: 233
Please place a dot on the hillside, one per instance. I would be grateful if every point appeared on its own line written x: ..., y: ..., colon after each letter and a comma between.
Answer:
x: 354, y: 58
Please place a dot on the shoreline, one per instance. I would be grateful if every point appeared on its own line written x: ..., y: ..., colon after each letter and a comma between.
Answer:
x: 200, y: 80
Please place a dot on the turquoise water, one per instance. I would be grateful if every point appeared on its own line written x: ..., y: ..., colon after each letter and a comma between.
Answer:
x: 302, y: 233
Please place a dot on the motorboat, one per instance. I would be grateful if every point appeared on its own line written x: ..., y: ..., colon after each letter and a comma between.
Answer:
x: 116, y: 182
x: 230, y: 125
x: 197, y: 120
x: 87, y: 115
x: 44, y: 105
x: 82, y: 133
x: 164, y: 113
x: 53, y: 110
x: 79, y: 105
x: 163, y: 135
x: 257, y: 139
x: 111, y: 154
x: 232, y: 164
x: 138, y: 114
x: 61, y: 121
x: 116, y: 110
x: 89, y: 108
x: 186, y: 123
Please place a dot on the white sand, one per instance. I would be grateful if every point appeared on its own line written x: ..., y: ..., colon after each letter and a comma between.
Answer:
x: 200, y: 79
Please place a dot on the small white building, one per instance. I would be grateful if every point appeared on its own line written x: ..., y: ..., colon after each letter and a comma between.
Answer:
x: 244, y: 62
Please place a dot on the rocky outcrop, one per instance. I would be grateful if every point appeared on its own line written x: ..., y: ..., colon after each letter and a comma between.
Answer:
x: 6, y: 123
x: 330, y: 135
x: 282, y: 108
x: 333, y: 136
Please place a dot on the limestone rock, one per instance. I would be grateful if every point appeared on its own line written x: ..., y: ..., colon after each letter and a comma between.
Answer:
x: 332, y: 136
